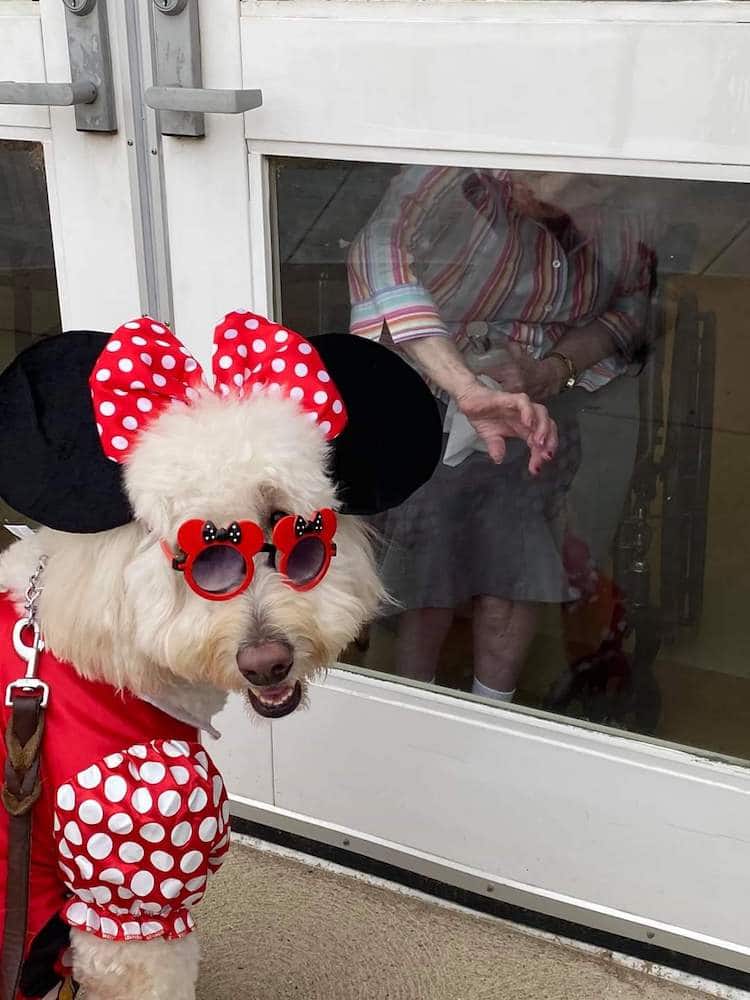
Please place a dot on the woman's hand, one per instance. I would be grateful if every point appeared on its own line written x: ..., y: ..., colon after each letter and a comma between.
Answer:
x: 496, y: 415
x: 522, y: 373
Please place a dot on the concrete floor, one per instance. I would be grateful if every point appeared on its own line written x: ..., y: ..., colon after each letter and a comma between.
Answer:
x: 275, y: 928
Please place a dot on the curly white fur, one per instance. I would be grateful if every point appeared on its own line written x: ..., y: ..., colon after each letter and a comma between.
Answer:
x: 113, y: 606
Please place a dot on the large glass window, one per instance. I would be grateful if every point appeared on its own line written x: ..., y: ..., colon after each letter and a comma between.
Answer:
x: 612, y: 587
x: 29, y: 307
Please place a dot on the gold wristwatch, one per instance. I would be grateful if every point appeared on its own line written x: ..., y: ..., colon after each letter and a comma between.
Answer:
x: 572, y: 378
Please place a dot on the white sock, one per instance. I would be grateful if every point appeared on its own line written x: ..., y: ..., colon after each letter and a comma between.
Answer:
x: 487, y: 692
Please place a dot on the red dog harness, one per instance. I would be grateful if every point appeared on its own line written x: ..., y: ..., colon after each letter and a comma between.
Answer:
x: 132, y: 817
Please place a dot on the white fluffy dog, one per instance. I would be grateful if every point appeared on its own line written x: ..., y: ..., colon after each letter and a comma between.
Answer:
x: 116, y: 604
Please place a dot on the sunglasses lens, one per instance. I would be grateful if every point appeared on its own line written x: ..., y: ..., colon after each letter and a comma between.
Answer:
x: 219, y: 569
x: 306, y: 560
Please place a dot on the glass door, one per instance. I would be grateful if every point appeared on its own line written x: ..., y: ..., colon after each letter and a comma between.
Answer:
x: 554, y: 712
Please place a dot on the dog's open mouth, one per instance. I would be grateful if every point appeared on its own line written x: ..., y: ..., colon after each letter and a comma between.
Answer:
x: 276, y: 702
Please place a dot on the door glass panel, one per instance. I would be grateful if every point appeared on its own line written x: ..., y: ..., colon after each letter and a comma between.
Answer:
x: 29, y: 306
x: 613, y: 587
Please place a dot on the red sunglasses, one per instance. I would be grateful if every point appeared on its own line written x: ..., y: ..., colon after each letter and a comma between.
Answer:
x: 218, y: 563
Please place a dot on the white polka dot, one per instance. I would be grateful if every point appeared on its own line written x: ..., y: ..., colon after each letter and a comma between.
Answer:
x: 259, y: 346
x: 130, y: 853
x: 159, y: 380
x: 76, y: 913
x: 153, y: 772
x: 201, y: 771
x: 92, y: 920
x: 191, y: 861
x: 224, y: 390
x: 119, y: 442
x: 242, y: 350
x: 134, y: 771
x: 89, y: 778
x: 225, y: 362
x: 91, y: 812
x: 169, y: 803
x: 312, y: 417
x: 189, y: 901
x: 179, y: 926
x: 108, y: 928
x: 195, y: 883
x: 139, y: 341
x: 114, y: 345
x: 176, y: 748
x: 168, y: 362
x: 66, y: 872
x: 281, y: 336
x: 320, y: 397
x: 130, y: 423
x: 142, y: 883
x: 115, y: 788
x: 103, y: 375
x: 338, y: 406
x: 85, y: 895
x: 230, y: 334
x: 133, y: 326
x: 191, y: 393
x: 150, y: 928
x: 238, y: 379
x: 225, y: 811
x: 171, y: 888
x: 144, y: 405
x: 323, y: 376
x: 119, y: 392
x: 252, y: 324
x: 137, y: 384
x: 146, y: 358
x: 202, y: 758
x: 72, y: 833
x: 218, y: 787
x: 64, y: 849
x: 207, y: 829
x: 325, y: 426
x: 157, y: 328
x: 163, y: 343
x: 180, y: 774
x: 275, y: 388
x: 84, y: 866
x: 278, y: 364
x: 107, y: 408
x: 66, y: 797
x: 141, y: 798
x: 297, y: 393
x: 305, y: 348
x: 152, y: 908
x: 120, y: 911
x: 131, y: 929
x: 114, y: 760
x: 124, y: 893
x: 120, y: 823
x: 189, y: 920
x: 99, y: 846
x: 154, y: 833
x: 112, y: 875
x: 190, y: 365
x: 100, y: 429
x: 300, y: 370
x: 181, y: 834
x: 198, y: 800
x: 125, y: 365
x: 138, y: 750
x: 56, y: 824
x: 163, y: 861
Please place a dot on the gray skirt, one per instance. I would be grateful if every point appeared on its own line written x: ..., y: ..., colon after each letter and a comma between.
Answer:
x: 485, y: 529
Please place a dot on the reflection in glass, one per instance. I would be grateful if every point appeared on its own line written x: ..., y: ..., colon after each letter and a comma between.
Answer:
x: 29, y: 307
x: 596, y: 589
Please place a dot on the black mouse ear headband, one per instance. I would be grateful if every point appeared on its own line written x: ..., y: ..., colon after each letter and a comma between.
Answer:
x: 72, y: 408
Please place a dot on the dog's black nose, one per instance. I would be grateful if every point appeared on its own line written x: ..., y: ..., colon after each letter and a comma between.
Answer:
x: 266, y: 664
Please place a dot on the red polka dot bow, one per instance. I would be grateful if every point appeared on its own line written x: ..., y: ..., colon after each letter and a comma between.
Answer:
x: 144, y: 368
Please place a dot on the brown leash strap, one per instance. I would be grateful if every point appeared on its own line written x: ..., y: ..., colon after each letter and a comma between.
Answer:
x: 23, y: 741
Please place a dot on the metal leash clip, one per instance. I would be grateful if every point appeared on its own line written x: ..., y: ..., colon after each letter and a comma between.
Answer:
x: 29, y: 682
x: 30, y: 654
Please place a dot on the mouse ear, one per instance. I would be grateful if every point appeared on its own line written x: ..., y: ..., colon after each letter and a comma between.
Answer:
x: 52, y: 467
x: 392, y: 441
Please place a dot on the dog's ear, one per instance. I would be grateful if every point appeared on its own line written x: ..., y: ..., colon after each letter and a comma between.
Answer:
x: 52, y: 467
x: 393, y: 438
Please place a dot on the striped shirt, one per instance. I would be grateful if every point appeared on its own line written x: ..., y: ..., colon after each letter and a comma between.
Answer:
x: 448, y: 247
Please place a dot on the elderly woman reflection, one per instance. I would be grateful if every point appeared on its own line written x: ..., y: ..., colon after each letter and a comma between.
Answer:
x: 494, y: 283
